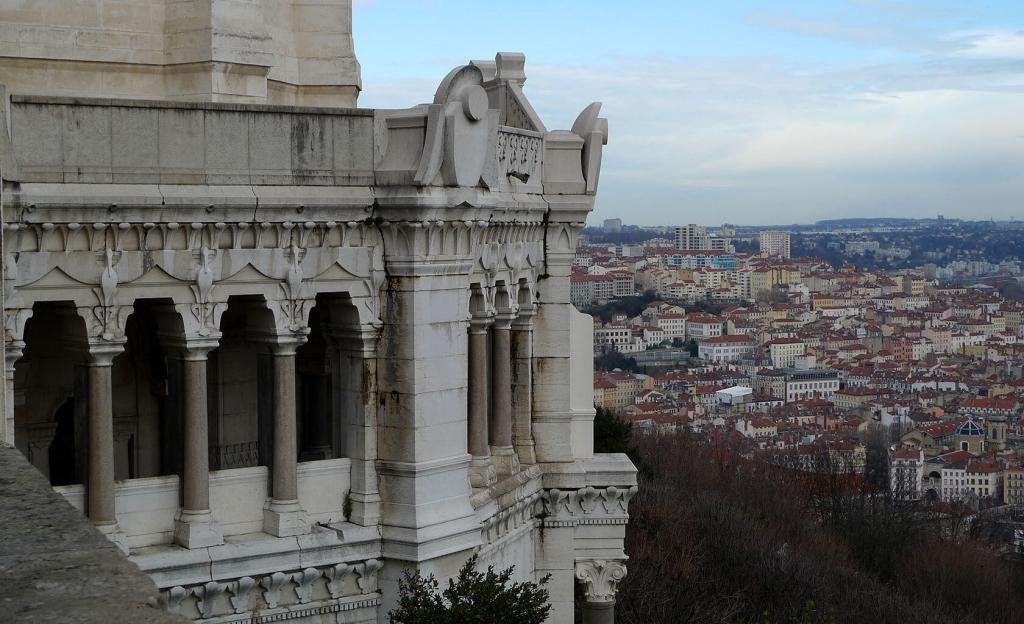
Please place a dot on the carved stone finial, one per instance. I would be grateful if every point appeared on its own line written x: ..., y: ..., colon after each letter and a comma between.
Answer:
x: 594, y: 132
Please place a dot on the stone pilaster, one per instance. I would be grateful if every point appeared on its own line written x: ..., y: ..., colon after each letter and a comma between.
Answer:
x: 522, y: 384
x: 560, y: 424
x: 423, y: 361
x: 357, y: 348
x: 600, y: 580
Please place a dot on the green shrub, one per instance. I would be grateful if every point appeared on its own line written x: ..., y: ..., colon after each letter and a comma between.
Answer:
x: 471, y: 598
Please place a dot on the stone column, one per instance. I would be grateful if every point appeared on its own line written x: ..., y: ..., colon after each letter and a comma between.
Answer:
x: 481, y: 469
x: 600, y: 579
x: 504, y: 455
x: 100, y: 485
x: 522, y: 384
x: 195, y: 527
x: 284, y: 516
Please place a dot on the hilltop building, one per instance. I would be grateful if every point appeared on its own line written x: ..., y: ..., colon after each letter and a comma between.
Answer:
x: 280, y: 354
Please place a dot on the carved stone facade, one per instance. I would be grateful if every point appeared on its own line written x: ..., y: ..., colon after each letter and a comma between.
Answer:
x: 280, y: 355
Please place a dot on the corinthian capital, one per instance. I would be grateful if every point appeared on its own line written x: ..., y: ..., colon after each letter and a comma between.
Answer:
x: 600, y: 578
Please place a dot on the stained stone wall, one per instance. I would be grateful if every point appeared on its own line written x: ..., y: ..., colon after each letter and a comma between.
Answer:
x: 260, y: 51
x: 55, y: 566
x: 385, y: 292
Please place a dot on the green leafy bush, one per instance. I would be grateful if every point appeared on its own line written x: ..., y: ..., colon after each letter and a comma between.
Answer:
x: 471, y: 598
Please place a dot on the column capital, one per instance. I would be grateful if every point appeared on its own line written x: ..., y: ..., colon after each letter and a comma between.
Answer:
x: 282, y: 343
x: 100, y: 352
x: 600, y: 578
x: 503, y: 321
x: 13, y: 351
x: 524, y: 319
x: 480, y: 323
x: 355, y: 338
x: 195, y: 348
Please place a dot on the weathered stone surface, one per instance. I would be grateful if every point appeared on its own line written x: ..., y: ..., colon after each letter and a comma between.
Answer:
x: 364, y: 248
x: 55, y: 566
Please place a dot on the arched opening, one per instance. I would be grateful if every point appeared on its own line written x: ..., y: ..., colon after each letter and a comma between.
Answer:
x: 49, y: 423
x: 147, y: 432
x: 239, y: 386
x: 51, y: 426
x: 315, y: 390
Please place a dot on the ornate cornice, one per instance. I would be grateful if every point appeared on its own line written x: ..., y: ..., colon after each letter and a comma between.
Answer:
x: 293, y: 593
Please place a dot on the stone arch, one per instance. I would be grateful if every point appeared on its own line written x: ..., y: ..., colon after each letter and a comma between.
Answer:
x: 46, y: 377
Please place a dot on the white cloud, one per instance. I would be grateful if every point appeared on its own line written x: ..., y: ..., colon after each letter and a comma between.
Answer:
x: 993, y: 44
x: 758, y: 140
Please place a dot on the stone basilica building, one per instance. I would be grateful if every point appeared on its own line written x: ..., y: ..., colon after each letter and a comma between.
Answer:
x: 278, y: 348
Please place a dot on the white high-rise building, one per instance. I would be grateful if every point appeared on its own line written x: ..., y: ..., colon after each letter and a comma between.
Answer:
x: 692, y: 237
x: 775, y: 244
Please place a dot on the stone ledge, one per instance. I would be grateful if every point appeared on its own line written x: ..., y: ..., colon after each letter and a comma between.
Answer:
x: 218, y: 106
x: 603, y: 469
x: 55, y: 566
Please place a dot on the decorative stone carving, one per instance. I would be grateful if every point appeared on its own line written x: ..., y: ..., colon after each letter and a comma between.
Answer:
x: 14, y: 323
x: 600, y: 578
x: 367, y: 573
x: 206, y: 595
x: 336, y: 579
x: 461, y: 132
x: 587, y: 505
x: 304, y: 584
x: 594, y: 132
x: 272, y: 586
x: 520, y: 154
x: 242, y: 592
x: 205, y: 312
x: 173, y: 598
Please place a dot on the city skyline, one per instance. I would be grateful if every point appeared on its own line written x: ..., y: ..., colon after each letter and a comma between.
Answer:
x: 819, y: 111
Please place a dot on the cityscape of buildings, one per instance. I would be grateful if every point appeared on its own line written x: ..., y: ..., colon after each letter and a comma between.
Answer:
x: 789, y: 358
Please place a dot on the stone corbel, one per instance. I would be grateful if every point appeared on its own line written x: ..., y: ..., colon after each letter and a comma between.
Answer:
x: 600, y: 579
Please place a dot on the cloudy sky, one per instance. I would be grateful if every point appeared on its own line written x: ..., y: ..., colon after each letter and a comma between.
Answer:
x: 747, y: 112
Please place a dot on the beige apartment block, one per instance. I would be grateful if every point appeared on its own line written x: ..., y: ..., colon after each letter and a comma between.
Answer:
x: 280, y: 354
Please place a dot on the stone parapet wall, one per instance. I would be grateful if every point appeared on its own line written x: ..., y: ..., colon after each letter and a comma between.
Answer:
x: 271, y: 51
x: 55, y: 566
